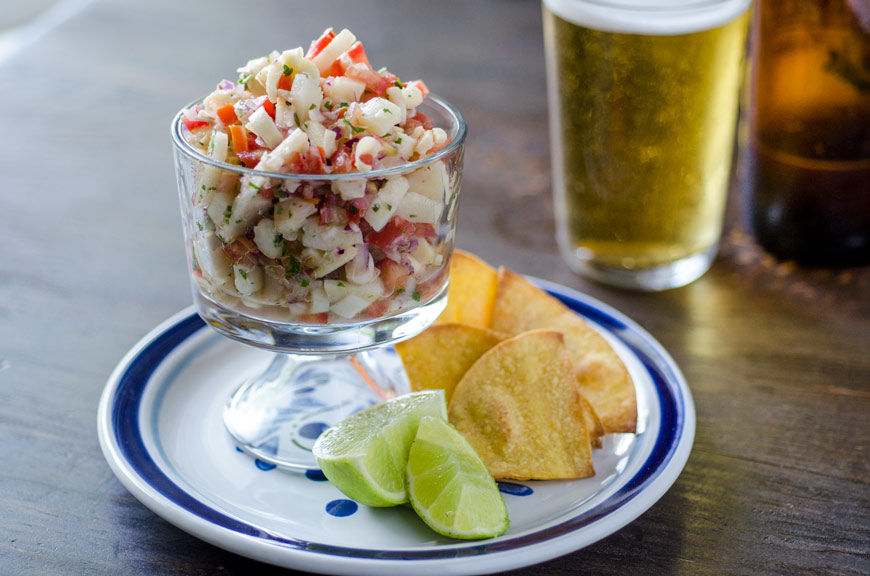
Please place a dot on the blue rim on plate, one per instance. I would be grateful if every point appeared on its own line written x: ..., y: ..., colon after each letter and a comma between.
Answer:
x: 126, y: 451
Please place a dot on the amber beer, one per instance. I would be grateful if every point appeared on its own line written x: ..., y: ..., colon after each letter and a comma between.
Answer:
x: 808, y: 155
x: 643, y: 109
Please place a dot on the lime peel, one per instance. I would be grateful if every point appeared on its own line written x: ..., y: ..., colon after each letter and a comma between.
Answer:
x: 449, y: 486
x: 365, y: 455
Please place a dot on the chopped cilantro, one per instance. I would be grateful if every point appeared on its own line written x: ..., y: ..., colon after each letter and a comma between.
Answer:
x: 296, y: 119
x: 243, y: 273
x: 287, y: 70
x: 388, y: 111
x: 389, y: 206
x: 278, y: 240
x: 415, y: 296
x: 399, y: 83
x: 304, y: 283
x: 376, y: 207
x: 341, y: 284
x: 353, y: 210
x: 199, y: 225
x: 343, y: 105
x: 254, y: 186
x: 228, y: 212
x: 295, y: 265
x: 398, y: 140
x: 328, y: 105
x: 312, y: 107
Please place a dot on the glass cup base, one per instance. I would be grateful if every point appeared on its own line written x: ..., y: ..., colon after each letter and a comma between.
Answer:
x: 277, y: 416
x: 652, y: 279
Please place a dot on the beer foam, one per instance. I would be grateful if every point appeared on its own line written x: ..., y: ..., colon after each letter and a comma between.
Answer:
x: 666, y: 18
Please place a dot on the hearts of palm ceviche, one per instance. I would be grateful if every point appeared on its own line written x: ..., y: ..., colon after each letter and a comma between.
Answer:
x: 531, y: 385
x: 318, y: 250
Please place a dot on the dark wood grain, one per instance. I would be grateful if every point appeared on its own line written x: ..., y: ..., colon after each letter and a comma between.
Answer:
x: 777, y: 357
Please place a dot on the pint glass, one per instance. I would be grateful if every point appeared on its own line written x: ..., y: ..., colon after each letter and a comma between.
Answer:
x: 643, y: 100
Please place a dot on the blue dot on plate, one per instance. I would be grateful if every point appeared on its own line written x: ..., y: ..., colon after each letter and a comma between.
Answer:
x: 263, y: 465
x: 515, y: 489
x: 315, y: 475
x: 313, y: 430
x: 341, y: 508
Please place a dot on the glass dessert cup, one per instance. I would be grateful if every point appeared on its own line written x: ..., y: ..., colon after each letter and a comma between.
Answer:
x: 290, y: 263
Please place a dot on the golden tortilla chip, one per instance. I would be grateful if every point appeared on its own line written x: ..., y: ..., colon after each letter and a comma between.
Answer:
x: 440, y: 356
x: 520, y: 408
x: 604, y: 380
x: 593, y: 423
x: 471, y: 293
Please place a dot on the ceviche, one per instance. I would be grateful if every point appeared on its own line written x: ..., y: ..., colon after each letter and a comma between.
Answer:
x: 318, y: 223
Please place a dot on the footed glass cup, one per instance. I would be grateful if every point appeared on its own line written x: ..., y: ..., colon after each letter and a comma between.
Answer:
x: 325, y: 270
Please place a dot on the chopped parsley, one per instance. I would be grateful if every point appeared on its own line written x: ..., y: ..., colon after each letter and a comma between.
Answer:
x: 354, y: 129
x: 295, y: 266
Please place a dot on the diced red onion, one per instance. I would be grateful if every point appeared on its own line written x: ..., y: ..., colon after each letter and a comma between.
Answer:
x: 225, y: 85
x: 361, y: 270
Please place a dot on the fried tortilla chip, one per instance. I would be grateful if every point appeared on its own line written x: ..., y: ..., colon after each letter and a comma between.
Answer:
x: 604, y: 379
x: 593, y: 423
x: 441, y: 355
x: 471, y: 293
x: 520, y: 408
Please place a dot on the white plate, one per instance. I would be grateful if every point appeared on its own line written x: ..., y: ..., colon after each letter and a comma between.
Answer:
x: 161, y: 431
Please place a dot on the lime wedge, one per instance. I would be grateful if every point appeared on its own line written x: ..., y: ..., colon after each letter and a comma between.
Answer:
x: 365, y: 455
x: 449, y: 485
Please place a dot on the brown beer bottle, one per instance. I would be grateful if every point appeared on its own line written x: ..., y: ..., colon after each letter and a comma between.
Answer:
x: 807, y: 161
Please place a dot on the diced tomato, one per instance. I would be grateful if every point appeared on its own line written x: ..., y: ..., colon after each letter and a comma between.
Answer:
x: 397, y: 231
x: 438, y: 147
x: 227, y: 114
x: 376, y: 309
x: 431, y: 286
x: 321, y: 318
x: 420, y: 86
x: 240, y: 139
x: 318, y: 45
x: 425, y: 230
x: 311, y: 162
x: 193, y: 124
x: 269, y: 107
x: 393, y: 275
x: 285, y: 82
x: 250, y: 158
x: 357, y: 54
x: 419, y: 119
x: 342, y: 162
x: 335, y: 69
x: 376, y: 83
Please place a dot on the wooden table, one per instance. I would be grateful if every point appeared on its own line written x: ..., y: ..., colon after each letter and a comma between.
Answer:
x: 777, y: 357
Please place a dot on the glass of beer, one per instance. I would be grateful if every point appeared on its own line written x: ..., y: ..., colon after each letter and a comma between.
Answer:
x: 643, y: 100
x: 807, y: 158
